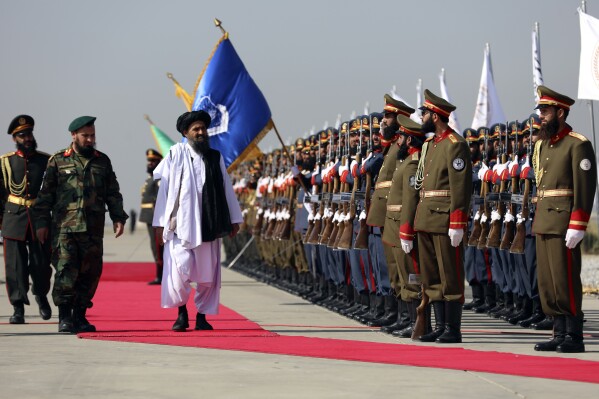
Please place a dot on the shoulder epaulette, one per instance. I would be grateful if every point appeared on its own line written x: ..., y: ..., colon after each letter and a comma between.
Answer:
x: 578, y: 136
x: 8, y: 154
x: 452, y: 138
x: 415, y: 156
x: 429, y: 139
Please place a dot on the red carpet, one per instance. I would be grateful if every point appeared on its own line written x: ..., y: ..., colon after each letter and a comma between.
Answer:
x: 130, y: 312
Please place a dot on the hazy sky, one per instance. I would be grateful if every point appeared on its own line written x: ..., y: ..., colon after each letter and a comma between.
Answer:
x: 312, y: 60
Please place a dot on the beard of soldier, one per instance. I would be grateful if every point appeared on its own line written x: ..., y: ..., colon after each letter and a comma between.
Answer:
x: 84, y: 141
x: 549, y: 123
x: 428, y: 126
x: 402, y: 143
x: 389, y: 131
x: 151, y: 165
x: 25, y: 142
x: 197, y: 136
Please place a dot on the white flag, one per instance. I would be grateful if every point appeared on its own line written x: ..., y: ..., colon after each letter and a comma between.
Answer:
x: 453, y: 118
x: 367, y: 108
x: 588, y: 77
x: 419, y: 97
x: 488, y: 108
x: 537, y: 75
x: 415, y: 117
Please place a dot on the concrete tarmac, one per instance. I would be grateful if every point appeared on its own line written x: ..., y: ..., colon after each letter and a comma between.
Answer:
x: 38, y: 362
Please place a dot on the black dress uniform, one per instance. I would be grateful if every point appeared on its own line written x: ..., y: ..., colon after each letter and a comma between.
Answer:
x: 24, y: 256
x: 149, y: 192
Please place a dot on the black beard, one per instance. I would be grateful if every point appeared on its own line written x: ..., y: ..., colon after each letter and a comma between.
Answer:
x: 428, y: 126
x: 475, y: 155
x: 26, y: 150
x: 403, y: 151
x: 201, y: 147
x: 549, y: 130
x: 85, y: 151
x: 390, y: 131
x: 353, y: 150
x: 150, y: 169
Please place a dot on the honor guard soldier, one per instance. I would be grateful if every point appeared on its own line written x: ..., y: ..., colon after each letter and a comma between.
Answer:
x: 24, y: 256
x: 387, y: 275
x: 401, y: 208
x: 566, y: 174
x: 148, y: 199
x: 445, y: 182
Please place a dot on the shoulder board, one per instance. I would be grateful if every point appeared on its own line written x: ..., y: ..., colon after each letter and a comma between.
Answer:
x: 43, y: 153
x: 8, y: 154
x: 452, y: 138
x: 415, y: 156
x: 578, y: 136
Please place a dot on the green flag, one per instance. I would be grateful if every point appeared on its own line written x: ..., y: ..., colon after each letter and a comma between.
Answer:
x: 162, y: 140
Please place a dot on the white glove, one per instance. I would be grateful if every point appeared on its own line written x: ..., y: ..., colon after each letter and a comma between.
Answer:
x: 481, y: 172
x: 295, y: 170
x: 508, y: 217
x: 407, y: 245
x: 455, y: 235
x: 343, y: 168
x: 573, y: 237
x: 511, y: 164
x: 362, y: 215
x: 500, y: 168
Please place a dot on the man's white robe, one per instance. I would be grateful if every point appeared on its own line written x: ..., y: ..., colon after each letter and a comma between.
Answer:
x: 186, y: 258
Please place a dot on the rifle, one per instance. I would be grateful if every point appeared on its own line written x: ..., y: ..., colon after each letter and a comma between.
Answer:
x: 270, y: 225
x: 421, y: 325
x: 333, y: 187
x: 476, y: 224
x: 362, y: 237
x: 518, y: 242
x: 508, y: 233
x: 348, y: 232
x: 494, y: 239
x: 338, y: 212
x: 312, y: 215
x: 485, y: 219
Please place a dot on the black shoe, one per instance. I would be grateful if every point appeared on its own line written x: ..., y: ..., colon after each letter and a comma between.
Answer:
x: 80, y: 323
x: 570, y: 345
x: 65, y: 319
x: 432, y: 336
x: 156, y: 281
x: 549, y: 346
x: 453, y: 324
x: 404, y: 333
x: 545, y: 324
x: 45, y: 309
x: 182, y: 322
x: 201, y: 323
x: 533, y: 319
x: 18, y: 316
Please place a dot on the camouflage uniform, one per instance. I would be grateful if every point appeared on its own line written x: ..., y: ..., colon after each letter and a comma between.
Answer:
x: 72, y: 202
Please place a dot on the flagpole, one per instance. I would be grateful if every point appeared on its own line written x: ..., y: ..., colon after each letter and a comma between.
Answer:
x: 301, y: 182
x: 147, y: 117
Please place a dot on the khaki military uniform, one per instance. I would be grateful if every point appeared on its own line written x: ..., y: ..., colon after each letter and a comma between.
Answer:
x: 149, y: 192
x: 566, y: 174
x: 446, y: 188
x: 401, y: 208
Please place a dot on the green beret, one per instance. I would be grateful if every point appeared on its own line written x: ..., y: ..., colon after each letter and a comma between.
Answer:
x: 78, y: 123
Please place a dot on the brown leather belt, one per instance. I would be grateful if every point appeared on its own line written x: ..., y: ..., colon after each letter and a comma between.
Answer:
x: 13, y: 199
x: 434, y: 193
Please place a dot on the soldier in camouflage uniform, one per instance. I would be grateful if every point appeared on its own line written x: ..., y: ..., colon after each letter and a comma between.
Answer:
x: 78, y: 187
x: 20, y: 180
x: 148, y: 199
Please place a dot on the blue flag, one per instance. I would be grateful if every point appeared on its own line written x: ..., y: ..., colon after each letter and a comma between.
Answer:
x: 240, y: 114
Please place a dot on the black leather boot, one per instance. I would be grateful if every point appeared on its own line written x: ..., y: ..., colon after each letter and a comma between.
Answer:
x: 182, y: 321
x: 490, y: 299
x: 478, y: 296
x: 573, y: 343
x: 439, y: 309
x: 524, y: 313
x: 559, y: 334
x: 508, y: 304
x: 201, y: 323
x: 407, y: 332
x: 65, y: 319
x: 158, y: 279
x: 80, y: 323
x: 378, y: 311
x: 403, y: 318
x: 18, y: 316
x: 545, y: 324
x: 499, y: 301
x: 390, y: 315
x: 368, y: 311
x: 44, y: 306
x: 537, y: 314
x: 453, y: 324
